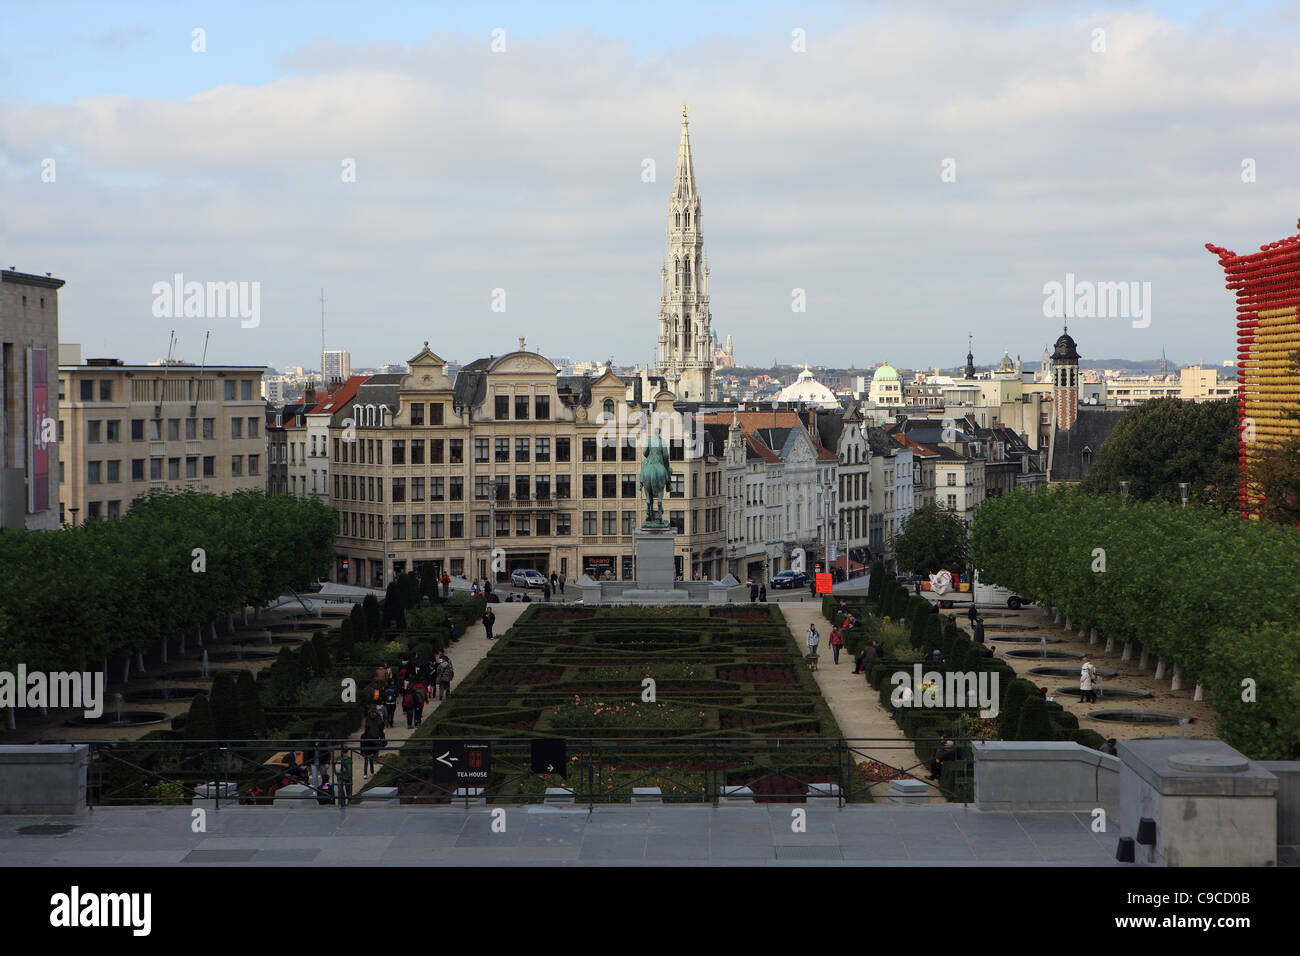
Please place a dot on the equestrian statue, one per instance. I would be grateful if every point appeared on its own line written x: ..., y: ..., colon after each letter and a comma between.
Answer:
x: 656, y: 472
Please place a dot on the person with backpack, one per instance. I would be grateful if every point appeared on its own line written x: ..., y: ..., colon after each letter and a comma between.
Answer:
x: 408, y: 704
x: 488, y: 620
x: 421, y: 695
x: 445, y: 674
x: 1088, y: 681
x: 837, y: 641
x: 451, y: 626
x: 389, y: 699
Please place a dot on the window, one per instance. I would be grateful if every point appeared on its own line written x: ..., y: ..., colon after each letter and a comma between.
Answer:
x: 542, y: 450
x: 589, y: 449
x: 521, y: 449
x: 246, y: 390
x: 523, y: 524
x: 93, y: 508
x: 137, y: 469
x: 417, y: 526
x: 230, y: 391
x: 417, y: 490
x: 952, y: 502
x: 115, y: 509
x: 543, y: 487
x: 543, y: 525
x: 562, y: 449
x: 92, y: 431
x: 480, y: 449
x: 252, y: 428
x: 399, y: 527
x: 677, y: 487
x: 564, y: 523
x: 455, y: 450
x: 399, y: 452
x: 436, y: 488
x: 456, y: 488
x: 192, y: 466
x: 191, y: 429
x: 609, y: 522
x: 417, y: 451
x: 542, y: 407
x: 87, y: 390
x: 952, y: 478
x: 695, y: 486
x: 502, y: 487
x: 236, y: 428
x: 417, y: 418
x: 609, y: 486
x: 629, y: 449
x: 675, y: 449
x: 678, y: 520
x: 629, y: 486
x: 481, y: 527
x: 607, y: 410
x: 521, y: 407
x: 112, y: 429
x: 209, y: 428
x: 435, y: 413
x: 209, y: 466
x: 435, y: 526
x: 114, y: 472
x: 588, y: 486
x: 455, y: 526
x: 482, y: 487
x: 155, y: 469
x: 173, y: 429
x: 435, y: 451
x: 137, y: 429
x: 254, y: 465
x: 503, y: 449
x: 521, y: 487
x: 502, y: 407
x: 608, y: 450
x: 399, y: 489
x: 562, y: 489
x: 236, y: 465
x: 60, y: 438
x: 589, y: 522
x: 629, y: 522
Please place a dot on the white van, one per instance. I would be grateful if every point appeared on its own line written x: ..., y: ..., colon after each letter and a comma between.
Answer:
x: 981, y: 593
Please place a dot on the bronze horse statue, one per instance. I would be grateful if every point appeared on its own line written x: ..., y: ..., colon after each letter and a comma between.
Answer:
x: 655, y: 474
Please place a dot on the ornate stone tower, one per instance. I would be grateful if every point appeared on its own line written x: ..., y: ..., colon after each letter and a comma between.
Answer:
x: 1065, y: 382
x: 685, y: 333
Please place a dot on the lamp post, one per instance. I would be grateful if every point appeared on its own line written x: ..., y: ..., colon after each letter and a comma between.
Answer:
x: 1123, y: 490
x: 1183, y: 489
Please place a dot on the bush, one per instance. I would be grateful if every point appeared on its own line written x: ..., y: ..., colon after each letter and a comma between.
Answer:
x: 358, y: 618
x: 876, y: 581
x: 1009, y: 716
x: 1089, y: 738
x: 226, y: 718
x: 346, y: 645
x: 198, y: 725
x: 250, y: 704
x: 1034, y: 722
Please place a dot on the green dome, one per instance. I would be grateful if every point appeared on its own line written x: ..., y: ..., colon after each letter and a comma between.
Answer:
x: 886, y: 373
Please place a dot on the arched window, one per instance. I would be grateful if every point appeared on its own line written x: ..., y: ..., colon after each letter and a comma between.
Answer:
x: 608, y: 408
x: 688, y: 219
x: 677, y: 220
x: 687, y: 271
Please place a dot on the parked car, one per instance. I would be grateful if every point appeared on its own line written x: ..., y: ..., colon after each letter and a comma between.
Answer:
x: 790, y: 579
x: 528, y: 578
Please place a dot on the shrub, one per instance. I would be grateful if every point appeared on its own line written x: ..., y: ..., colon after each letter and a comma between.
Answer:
x: 226, y: 717
x: 876, y: 581
x: 358, y: 619
x: 1089, y: 738
x: 1009, y: 716
x: 250, y: 704
x: 198, y: 725
x: 307, y: 661
x: 373, y: 615
x: 346, y: 639
x: 1034, y: 722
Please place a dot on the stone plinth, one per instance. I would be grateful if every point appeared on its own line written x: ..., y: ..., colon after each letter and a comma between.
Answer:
x: 908, y: 792
x: 1210, y: 805
x: 43, y: 778
x: 655, y: 568
x: 1044, y: 775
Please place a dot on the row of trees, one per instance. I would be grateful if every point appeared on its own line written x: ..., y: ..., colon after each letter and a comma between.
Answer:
x: 176, y: 562
x: 1198, y: 587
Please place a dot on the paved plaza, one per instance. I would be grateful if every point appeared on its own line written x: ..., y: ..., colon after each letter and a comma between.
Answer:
x: 877, y: 834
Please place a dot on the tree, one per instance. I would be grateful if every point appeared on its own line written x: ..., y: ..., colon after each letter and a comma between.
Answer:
x: 250, y: 704
x: 358, y: 619
x: 198, y: 725
x: 929, y: 539
x: 876, y: 581
x: 1035, y: 724
x: 373, y: 615
x: 1009, y: 716
x: 226, y: 719
x: 1165, y: 441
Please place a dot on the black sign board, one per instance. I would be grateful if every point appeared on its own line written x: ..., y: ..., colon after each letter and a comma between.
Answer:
x: 550, y: 755
x: 461, y: 763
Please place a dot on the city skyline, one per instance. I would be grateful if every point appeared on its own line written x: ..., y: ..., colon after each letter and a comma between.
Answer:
x: 975, y: 166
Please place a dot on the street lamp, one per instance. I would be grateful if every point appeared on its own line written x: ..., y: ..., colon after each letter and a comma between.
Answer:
x: 1123, y: 490
x: 1183, y: 488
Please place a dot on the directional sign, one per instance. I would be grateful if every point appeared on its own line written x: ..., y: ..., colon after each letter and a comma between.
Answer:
x: 461, y: 763
x: 824, y: 585
x: 550, y: 755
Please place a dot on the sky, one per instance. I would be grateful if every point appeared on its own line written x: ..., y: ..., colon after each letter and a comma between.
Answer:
x: 466, y: 174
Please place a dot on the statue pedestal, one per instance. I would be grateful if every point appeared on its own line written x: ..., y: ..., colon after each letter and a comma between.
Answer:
x: 655, y: 568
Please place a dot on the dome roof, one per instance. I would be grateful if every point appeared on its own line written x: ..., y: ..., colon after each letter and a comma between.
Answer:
x: 807, y: 389
x: 1065, y: 349
x: 886, y: 373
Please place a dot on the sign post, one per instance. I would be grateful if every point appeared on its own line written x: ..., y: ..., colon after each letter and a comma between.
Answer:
x: 461, y: 764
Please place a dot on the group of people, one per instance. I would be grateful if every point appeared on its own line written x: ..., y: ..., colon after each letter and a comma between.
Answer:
x: 757, y: 592
x: 976, y: 624
x: 412, y: 685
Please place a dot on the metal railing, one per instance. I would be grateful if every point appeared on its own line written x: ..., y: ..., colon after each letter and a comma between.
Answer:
x: 597, y: 770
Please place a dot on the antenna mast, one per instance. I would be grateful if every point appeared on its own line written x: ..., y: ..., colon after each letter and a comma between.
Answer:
x: 322, y: 341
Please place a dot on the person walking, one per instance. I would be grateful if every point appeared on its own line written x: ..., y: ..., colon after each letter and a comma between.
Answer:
x: 445, y: 675
x: 488, y: 620
x: 837, y: 641
x: 762, y: 594
x: 445, y: 581
x: 421, y: 691
x: 979, y: 630
x: 372, y: 738
x: 389, y: 698
x: 561, y: 583
x: 1088, y: 680
x: 972, y: 615
x: 554, y: 582
x: 546, y: 592
x: 753, y: 591
x: 451, y: 626
x: 408, y: 704
x: 812, y: 638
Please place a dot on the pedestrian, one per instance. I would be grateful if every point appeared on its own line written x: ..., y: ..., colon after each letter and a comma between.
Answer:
x: 837, y: 641
x: 451, y: 626
x: 554, y: 581
x: 971, y: 614
x: 445, y: 581
x: 813, y: 638
x: 421, y: 692
x: 408, y: 704
x: 979, y: 630
x: 546, y: 592
x: 320, y: 762
x: 561, y: 583
x: 488, y: 620
x: 371, y: 740
x: 860, y: 662
x: 1088, y: 680
x: 445, y: 675
x: 878, y: 648
x: 389, y: 698
x: 916, y: 585
x: 753, y: 591
x: 762, y: 593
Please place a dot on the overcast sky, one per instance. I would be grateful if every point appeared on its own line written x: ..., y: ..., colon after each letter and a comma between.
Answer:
x: 522, y: 169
